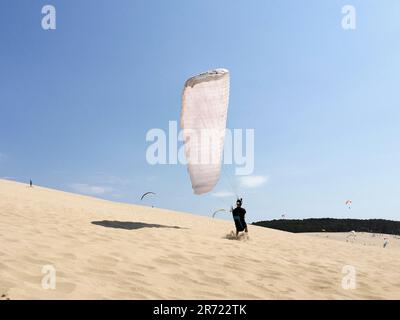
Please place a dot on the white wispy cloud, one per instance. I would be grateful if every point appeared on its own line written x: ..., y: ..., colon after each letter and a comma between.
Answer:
x: 223, y: 194
x: 251, y: 182
x: 90, y: 189
x: 8, y: 178
x: 105, y: 178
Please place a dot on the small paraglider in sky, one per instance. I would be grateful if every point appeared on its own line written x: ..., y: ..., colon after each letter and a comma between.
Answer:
x: 283, y: 216
x: 146, y: 194
x: 219, y: 210
x: 349, y: 203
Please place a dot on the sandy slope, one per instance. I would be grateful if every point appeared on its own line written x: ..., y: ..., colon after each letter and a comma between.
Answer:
x: 362, y: 238
x: 106, y: 250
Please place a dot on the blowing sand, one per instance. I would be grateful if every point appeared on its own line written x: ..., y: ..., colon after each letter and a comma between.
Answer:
x: 106, y: 250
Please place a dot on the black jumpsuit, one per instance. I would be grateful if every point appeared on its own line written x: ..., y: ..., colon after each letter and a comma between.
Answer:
x: 238, y: 216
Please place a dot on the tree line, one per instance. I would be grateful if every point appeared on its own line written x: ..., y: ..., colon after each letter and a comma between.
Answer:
x: 333, y: 225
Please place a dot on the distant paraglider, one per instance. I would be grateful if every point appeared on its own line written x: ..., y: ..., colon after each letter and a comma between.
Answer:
x: 351, y: 236
x: 386, y: 242
x: 145, y: 194
x: 349, y: 203
x: 219, y: 210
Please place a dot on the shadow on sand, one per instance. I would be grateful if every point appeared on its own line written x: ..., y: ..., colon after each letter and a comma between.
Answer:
x: 127, y: 225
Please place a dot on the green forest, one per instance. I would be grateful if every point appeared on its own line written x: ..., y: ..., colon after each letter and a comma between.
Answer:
x: 333, y: 225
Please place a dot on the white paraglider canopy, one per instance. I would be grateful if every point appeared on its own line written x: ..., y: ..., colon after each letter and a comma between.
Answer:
x: 205, y: 102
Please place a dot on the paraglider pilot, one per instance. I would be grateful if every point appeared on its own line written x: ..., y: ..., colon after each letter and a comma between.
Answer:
x: 238, y: 216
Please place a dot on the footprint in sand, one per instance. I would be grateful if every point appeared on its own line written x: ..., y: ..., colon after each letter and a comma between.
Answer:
x: 241, y: 237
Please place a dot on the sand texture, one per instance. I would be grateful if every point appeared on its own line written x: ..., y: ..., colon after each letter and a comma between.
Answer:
x: 105, y: 250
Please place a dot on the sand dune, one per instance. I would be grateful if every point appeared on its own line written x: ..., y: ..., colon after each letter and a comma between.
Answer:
x: 106, y: 250
x: 362, y: 238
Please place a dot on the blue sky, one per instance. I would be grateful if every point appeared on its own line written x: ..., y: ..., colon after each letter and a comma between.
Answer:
x: 76, y: 102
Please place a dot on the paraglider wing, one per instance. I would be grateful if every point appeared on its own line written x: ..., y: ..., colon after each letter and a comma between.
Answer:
x: 145, y: 194
x: 349, y: 203
x: 203, y: 121
x: 219, y: 210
